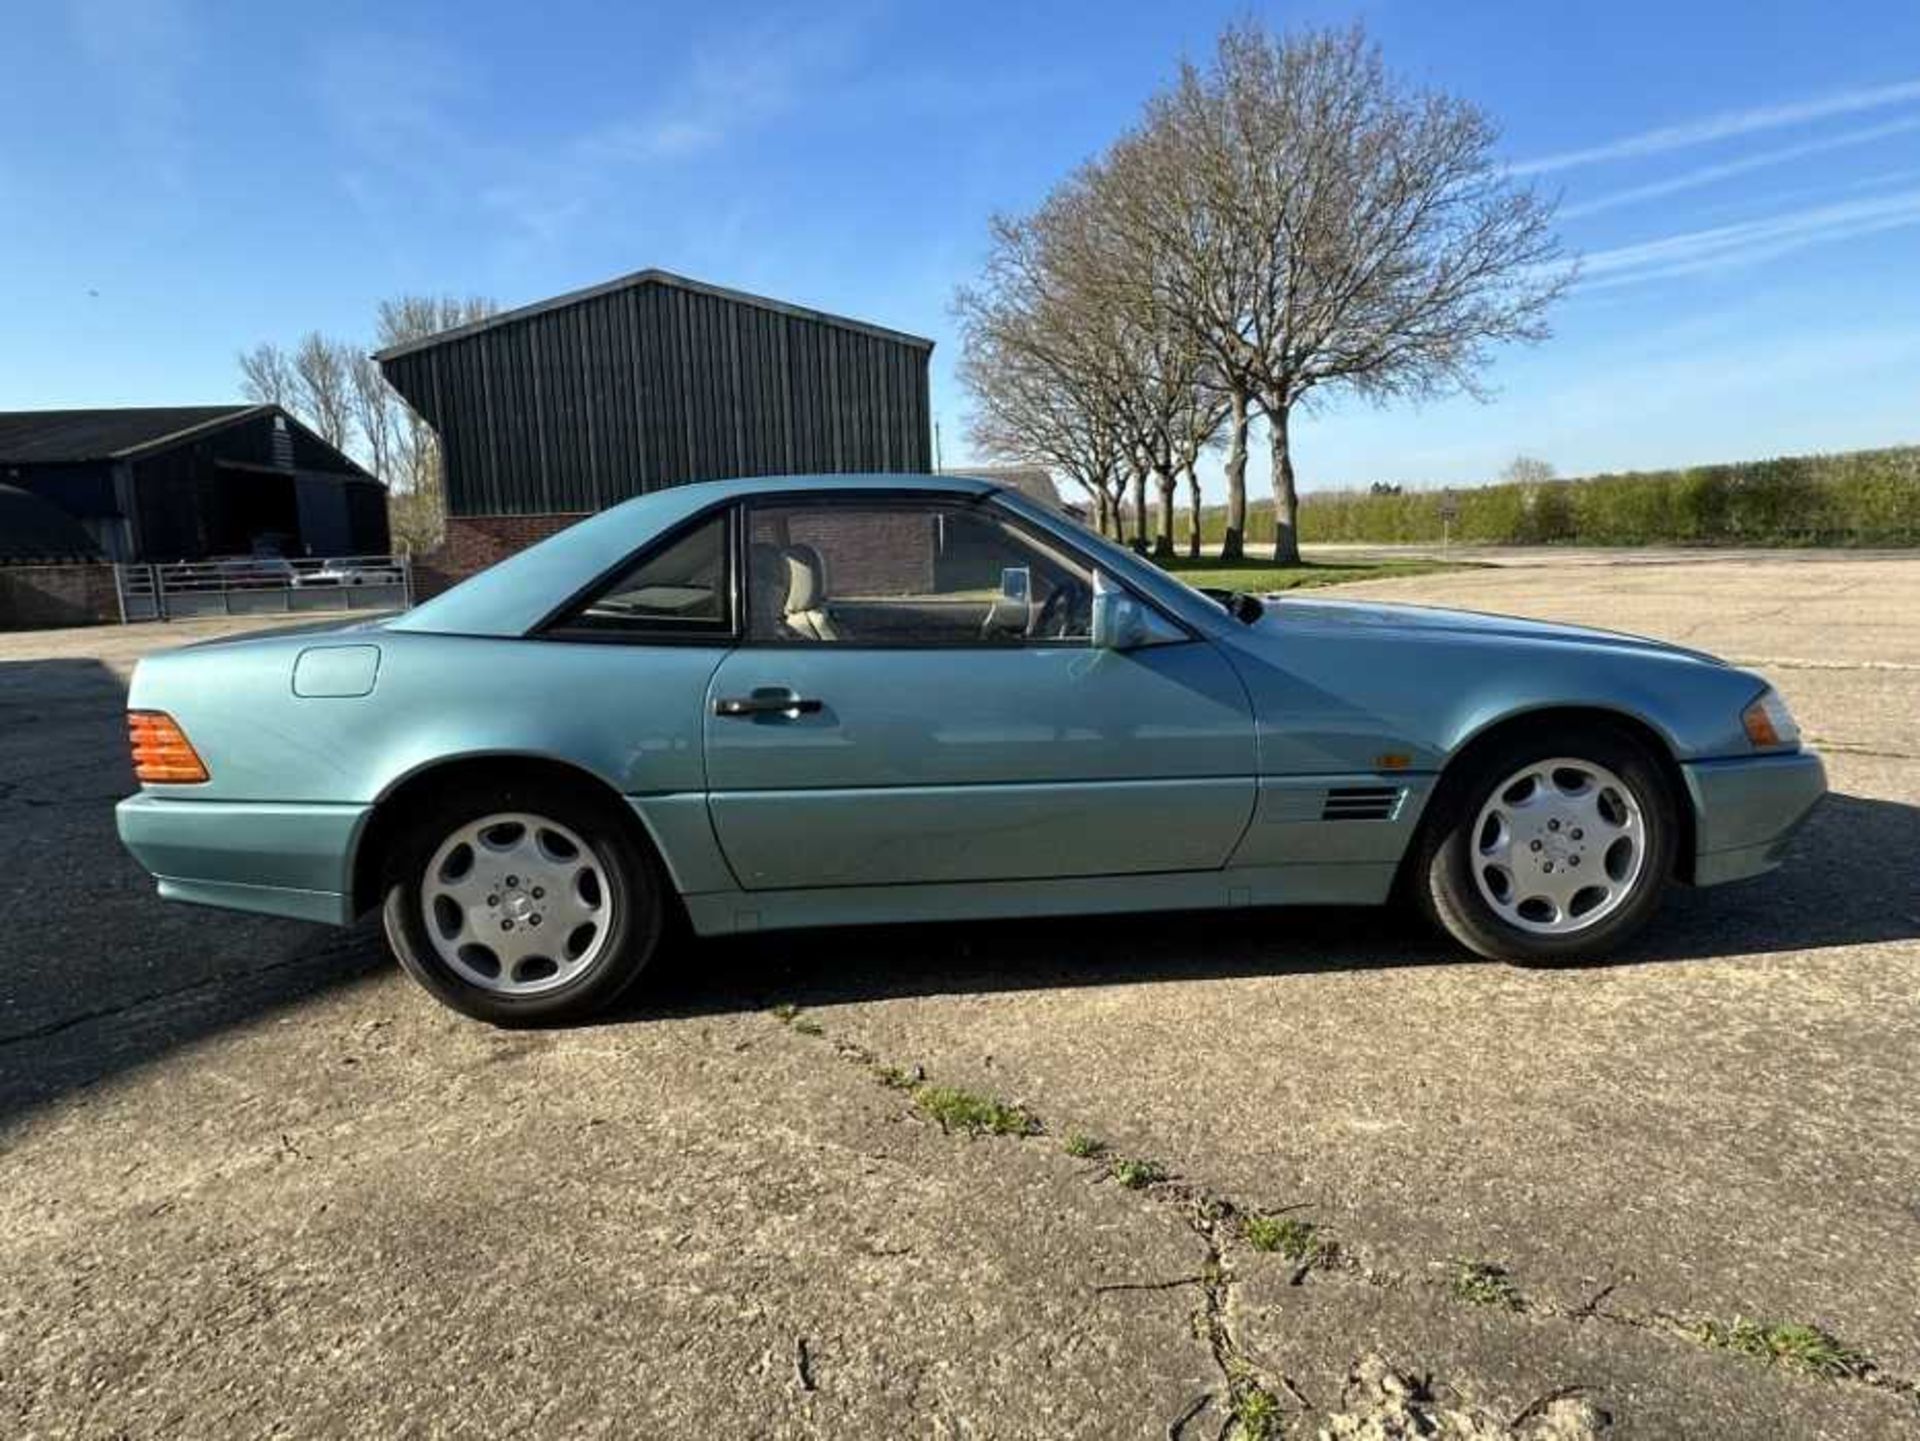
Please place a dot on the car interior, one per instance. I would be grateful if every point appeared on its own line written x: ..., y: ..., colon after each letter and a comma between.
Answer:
x: 907, y: 575
x: 830, y: 573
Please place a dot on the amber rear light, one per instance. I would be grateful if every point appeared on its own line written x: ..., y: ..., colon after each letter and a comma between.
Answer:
x: 162, y: 754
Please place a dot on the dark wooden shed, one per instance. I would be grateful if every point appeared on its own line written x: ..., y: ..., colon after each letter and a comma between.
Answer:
x: 565, y: 407
x: 169, y: 483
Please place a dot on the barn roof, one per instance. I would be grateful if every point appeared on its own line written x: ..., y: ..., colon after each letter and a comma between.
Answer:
x: 636, y: 280
x: 32, y: 529
x: 57, y: 436
x: 1033, y: 481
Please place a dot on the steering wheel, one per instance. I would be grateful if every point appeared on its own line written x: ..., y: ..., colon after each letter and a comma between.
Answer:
x: 1068, y: 610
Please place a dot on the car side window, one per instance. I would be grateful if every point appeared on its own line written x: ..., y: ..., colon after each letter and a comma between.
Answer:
x: 679, y: 589
x: 908, y: 573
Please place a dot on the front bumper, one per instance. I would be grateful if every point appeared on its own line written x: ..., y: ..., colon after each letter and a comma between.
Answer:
x: 1747, y: 809
x: 273, y: 858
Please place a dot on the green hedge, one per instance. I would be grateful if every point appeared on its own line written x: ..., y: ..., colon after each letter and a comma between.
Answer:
x: 1862, y: 497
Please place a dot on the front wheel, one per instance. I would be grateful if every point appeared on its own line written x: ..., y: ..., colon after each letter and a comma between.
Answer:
x: 1552, y: 849
x: 523, y: 905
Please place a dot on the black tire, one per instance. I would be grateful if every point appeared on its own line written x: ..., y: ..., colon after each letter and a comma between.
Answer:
x: 1443, y: 869
x: 635, y: 890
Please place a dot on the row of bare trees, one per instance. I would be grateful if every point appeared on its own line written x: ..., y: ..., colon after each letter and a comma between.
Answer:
x: 1288, y: 221
x: 335, y: 387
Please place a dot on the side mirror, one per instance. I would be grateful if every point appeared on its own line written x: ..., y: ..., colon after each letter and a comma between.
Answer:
x: 1119, y: 621
x: 1016, y: 584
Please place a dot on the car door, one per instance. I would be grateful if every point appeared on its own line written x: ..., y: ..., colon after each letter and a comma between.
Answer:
x: 915, y: 699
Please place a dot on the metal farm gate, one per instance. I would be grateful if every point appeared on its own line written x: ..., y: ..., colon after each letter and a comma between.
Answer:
x: 263, y: 585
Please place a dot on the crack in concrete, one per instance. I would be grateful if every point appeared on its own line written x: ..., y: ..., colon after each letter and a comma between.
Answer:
x: 1213, y: 1218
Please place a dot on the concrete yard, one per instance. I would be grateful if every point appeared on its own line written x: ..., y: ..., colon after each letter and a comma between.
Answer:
x: 257, y: 1183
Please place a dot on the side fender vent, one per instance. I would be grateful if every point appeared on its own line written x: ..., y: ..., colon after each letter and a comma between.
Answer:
x: 1362, y: 803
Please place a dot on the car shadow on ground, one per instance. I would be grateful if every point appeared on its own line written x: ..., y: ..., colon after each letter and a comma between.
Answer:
x: 1817, y: 900
x: 99, y: 974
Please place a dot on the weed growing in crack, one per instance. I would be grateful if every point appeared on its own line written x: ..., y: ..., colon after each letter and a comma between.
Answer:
x: 1136, y: 1173
x: 1287, y: 1236
x: 788, y: 1014
x: 1483, y: 1283
x: 1786, y: 1343
x: 971, y: 1114
x: 1256, y: 1413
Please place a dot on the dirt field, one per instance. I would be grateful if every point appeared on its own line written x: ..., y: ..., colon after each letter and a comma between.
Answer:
x: 254, y: 1182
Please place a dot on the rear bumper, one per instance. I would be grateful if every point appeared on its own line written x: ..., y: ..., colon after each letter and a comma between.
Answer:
x: 275, y: 859
x: 1747, y: 809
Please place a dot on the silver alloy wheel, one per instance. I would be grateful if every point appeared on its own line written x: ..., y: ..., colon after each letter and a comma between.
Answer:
x: 517, y: 904
x: 1559, y: 846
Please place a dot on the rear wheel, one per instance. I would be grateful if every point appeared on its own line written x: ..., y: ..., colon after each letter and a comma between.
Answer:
x: 1551, y: 848
x: 523, y: 905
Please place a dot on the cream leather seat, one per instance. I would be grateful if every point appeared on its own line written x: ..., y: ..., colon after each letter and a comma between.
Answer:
x: 806, y: 609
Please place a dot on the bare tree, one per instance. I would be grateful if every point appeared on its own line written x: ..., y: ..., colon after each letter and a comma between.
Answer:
x: 1024, y: 412
x: 266, y: 375
x: 1190, y: 261
x: 1289, y: 221
x: 323, y: 387
x: 1039, y: 363
x: 375, y: 408
x: 337, y: 389
x: 1390, y: 251
x: 1148, y: 369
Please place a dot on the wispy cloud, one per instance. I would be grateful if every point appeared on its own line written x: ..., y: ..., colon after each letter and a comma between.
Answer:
x: 1727, y: 170
x: 1724, y: 126
x: 414, y: 118
x: 1650, y: 384
x: 1748, y: 242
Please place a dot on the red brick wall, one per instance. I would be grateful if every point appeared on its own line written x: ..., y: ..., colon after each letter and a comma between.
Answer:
x: 36, y: 597
x: 474, y: 542
x: 865, y: 552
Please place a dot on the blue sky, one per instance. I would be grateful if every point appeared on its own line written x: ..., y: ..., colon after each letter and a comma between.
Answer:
x: 182, y: 178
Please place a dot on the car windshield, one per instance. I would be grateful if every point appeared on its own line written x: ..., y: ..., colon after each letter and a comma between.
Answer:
x: 1241, y: 605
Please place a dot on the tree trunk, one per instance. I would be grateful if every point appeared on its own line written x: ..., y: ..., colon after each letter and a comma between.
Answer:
x: 1163, y: 537
x: 1193, y: 501
x: 1140, y: 510
x: 1286, y: 500
x: 1234, y: 545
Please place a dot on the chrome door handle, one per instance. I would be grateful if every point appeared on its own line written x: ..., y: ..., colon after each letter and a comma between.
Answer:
x: 766, y: 702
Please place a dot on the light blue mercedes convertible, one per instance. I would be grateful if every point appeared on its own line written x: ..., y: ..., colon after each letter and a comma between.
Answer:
x: 817, y: 701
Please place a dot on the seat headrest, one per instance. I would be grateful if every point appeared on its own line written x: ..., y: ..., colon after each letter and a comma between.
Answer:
x: 806, y: 579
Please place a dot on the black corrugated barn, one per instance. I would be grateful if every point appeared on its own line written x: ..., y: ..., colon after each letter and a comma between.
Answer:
x: 565, y: 407
x: 167, y: 483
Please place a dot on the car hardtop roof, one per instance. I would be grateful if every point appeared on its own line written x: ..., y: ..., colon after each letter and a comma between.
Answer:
x: 877, y: 480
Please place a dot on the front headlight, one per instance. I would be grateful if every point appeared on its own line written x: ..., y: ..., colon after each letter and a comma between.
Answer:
x: 1769, y: 724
